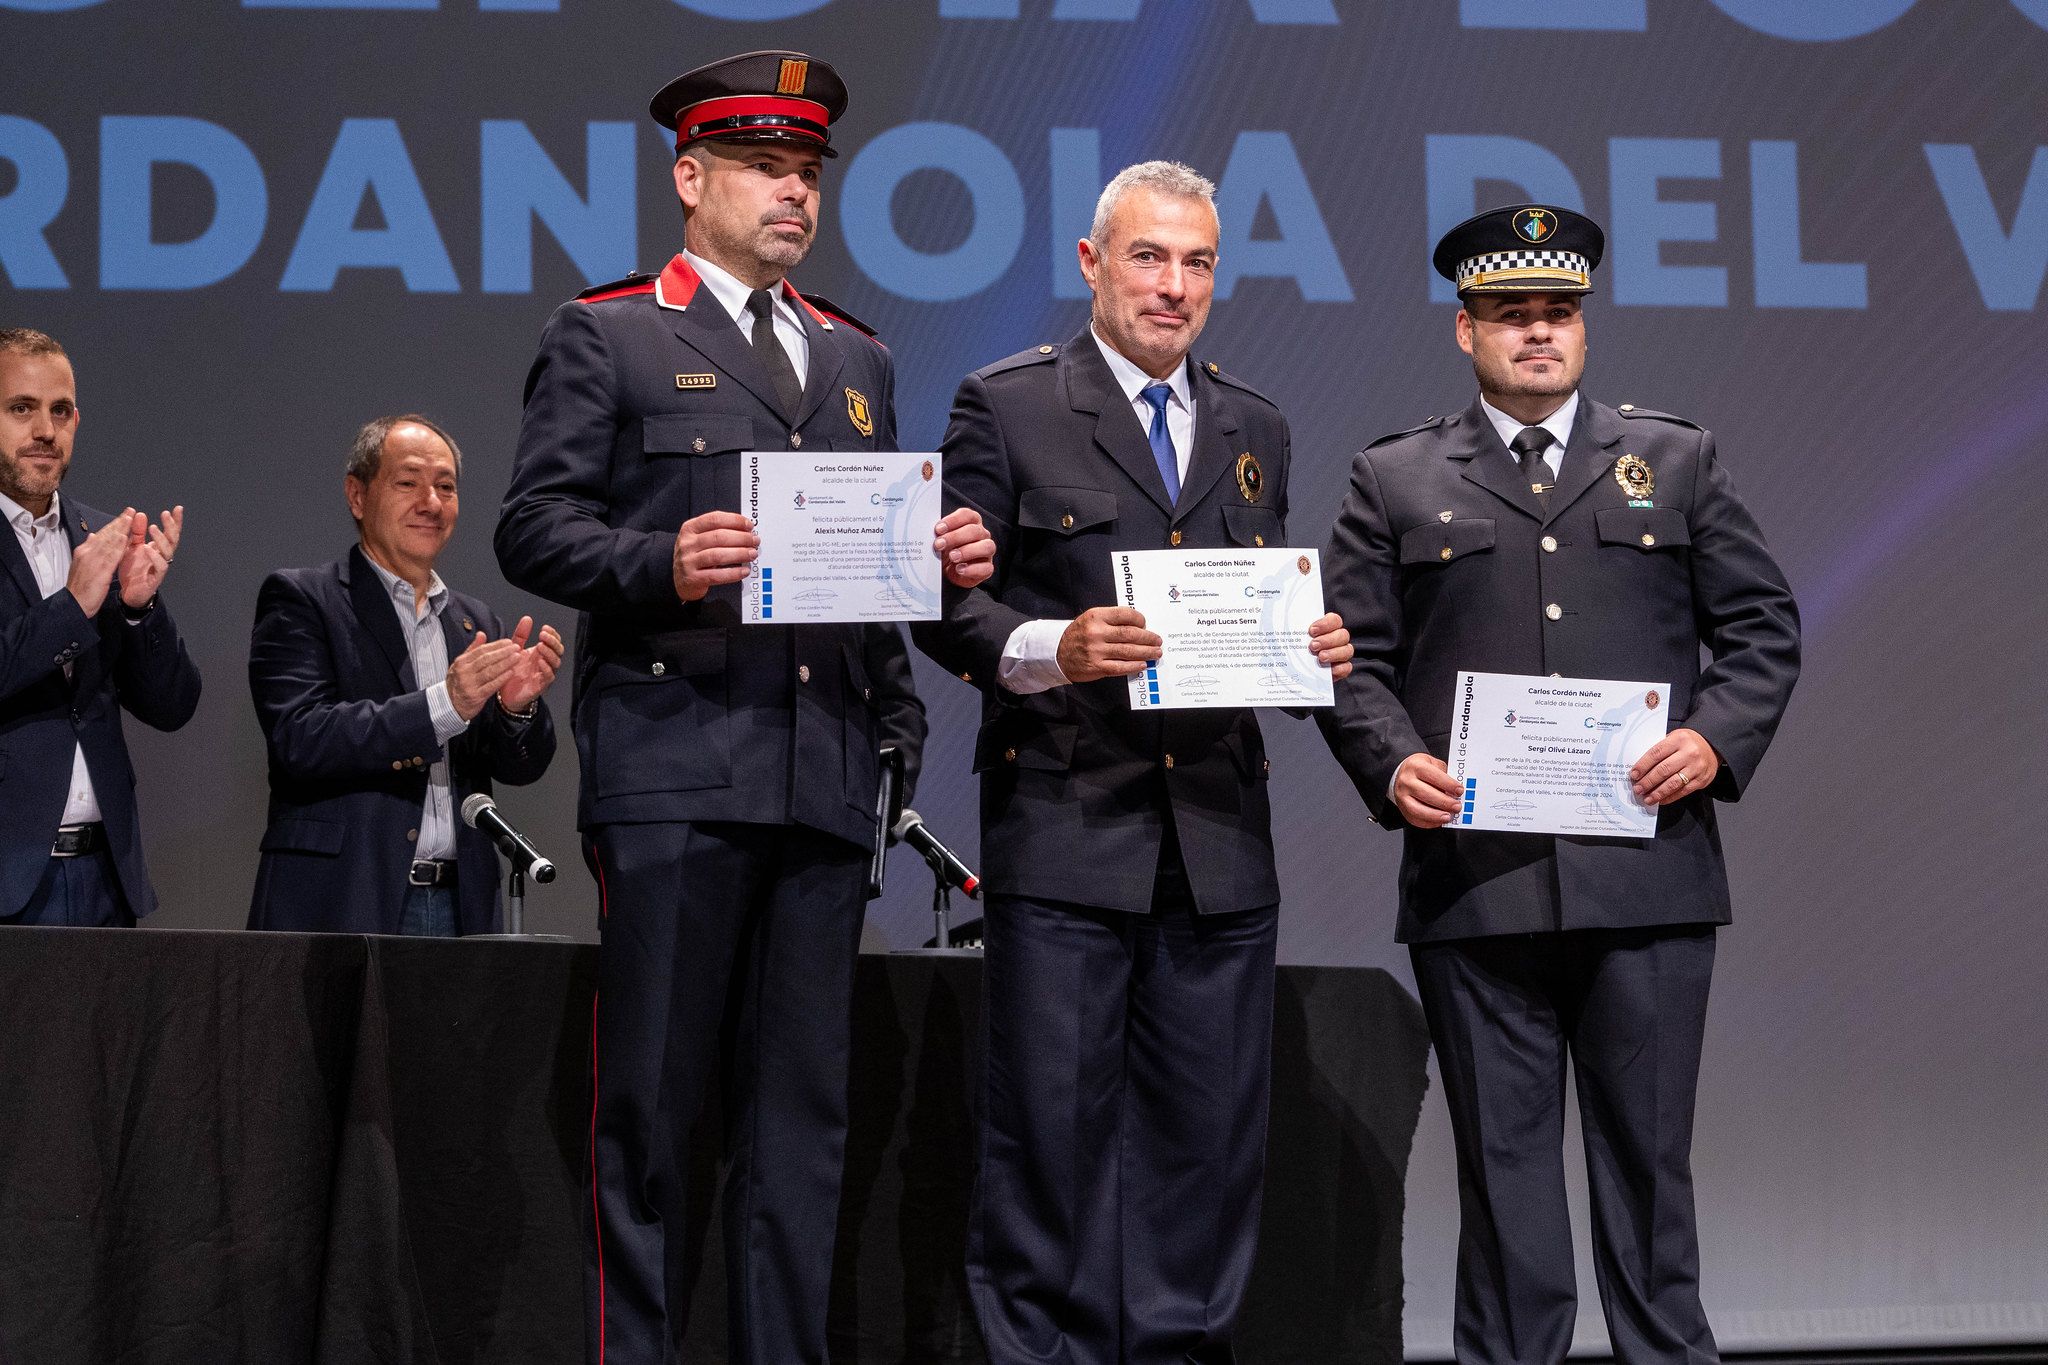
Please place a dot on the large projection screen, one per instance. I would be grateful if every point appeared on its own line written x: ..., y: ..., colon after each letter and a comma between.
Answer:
x: 257, y: 224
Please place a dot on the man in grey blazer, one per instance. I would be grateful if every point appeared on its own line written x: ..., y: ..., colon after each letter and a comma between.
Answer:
x: 1539, y: 532
x: 1132, y: 894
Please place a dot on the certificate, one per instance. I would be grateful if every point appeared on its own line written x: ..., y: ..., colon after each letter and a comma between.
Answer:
x: 844, y: 537
x: 1234, y: 626
x: 1551, y: 755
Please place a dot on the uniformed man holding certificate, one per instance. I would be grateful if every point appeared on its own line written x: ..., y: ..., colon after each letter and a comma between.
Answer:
x: 1541, y: 533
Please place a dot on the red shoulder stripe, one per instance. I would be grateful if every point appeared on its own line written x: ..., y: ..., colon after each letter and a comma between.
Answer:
x: 646, y: 287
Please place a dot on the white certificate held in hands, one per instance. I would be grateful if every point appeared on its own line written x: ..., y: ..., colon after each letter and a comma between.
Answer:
x: 1234, y: 626
x: 845, y: 536
x: 1551, y: 755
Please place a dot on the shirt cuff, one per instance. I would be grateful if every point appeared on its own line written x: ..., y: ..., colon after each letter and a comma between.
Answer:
x: 1031, y: 658
x: 448, y: 722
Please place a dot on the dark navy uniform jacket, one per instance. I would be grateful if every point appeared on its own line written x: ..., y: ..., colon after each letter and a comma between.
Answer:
x: 1046, y: 447
x: 638, y: 407
x: 1594, y: 588
x: 44, y: 716
x: 350, y: 738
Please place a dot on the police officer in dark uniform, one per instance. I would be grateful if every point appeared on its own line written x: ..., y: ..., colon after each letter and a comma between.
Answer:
x: 1541, y: 533
x: 1128, y: 856
x: 728, y: 773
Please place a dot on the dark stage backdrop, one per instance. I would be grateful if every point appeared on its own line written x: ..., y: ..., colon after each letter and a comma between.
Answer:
x: 256, y: 224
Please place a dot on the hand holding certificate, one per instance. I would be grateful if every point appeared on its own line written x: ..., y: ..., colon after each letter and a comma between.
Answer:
x: 844, y: 537
x: 1234, y: 626
x: 1552, y: 755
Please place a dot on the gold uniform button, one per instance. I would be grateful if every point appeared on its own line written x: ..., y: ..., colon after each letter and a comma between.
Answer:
x: 1045, y: 350
x: 966, y: 677
x: 1649, y: 539
x: 803, y: 672
x: 1550, y: 545
x: 1009, y: 755
x: 796, y: 440
x: 697, y: 446
x: 412, y: 836
x: 1628, y: 407
x: 1444, y: 553
x: 1259, y: 541
x: 1173, y: 539
x: 1067, y: 521
x: 396, y: 764
x: 1554, y: 611
x: 660, y: 669
x: 1169, y: 760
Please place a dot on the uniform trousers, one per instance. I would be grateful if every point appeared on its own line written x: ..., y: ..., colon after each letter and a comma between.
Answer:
x: 83, y: 892
x: 1629, y: 1008
x: 727, y: 956
x: 1123, y: 1138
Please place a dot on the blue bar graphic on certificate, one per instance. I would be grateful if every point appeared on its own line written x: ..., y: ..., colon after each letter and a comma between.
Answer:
x: 1547, y: 755
x: 845, y: 536
x: 1233, y: 626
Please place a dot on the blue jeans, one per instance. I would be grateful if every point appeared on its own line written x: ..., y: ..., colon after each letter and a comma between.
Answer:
x: 429, y: 912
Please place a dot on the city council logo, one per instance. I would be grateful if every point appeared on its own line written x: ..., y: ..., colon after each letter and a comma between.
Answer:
x: 1535, y: 225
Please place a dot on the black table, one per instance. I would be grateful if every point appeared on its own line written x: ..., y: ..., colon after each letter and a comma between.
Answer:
x: 222, y: 1147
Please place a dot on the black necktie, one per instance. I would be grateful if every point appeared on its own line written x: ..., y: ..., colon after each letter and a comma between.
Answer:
x: 1529, y: 445
x: 780, y: 370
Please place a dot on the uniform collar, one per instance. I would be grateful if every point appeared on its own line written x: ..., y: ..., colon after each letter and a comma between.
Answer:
x: 1558, y: 424
x: 1134, y: 381
x: 732, y: 292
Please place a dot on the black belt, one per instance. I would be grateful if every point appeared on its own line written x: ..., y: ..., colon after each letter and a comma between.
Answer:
x: 432, y: 872
x: 75, y: 841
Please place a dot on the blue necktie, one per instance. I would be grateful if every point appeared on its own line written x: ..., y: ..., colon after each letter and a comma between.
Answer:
x: 1162, y: 440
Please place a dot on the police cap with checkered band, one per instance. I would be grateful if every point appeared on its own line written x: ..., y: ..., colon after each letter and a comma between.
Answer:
x: 786, y: 97
x: 1522, y: 249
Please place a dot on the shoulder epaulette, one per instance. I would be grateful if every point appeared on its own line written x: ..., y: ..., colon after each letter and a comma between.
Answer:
x: 1037, y: 355
x: 838, y: 314
x: 1631, y: 410
x: 635, y: 283
x: 1397, y: 435
x: 1223, y: 376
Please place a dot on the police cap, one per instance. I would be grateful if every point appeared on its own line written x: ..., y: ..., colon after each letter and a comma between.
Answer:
x: 754, y: 97
x: 1522, y: 249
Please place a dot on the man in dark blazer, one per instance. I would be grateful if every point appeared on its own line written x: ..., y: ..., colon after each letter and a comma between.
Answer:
x: 387, y: 699
x: 83, y: 636
x: 729, y: 771
x: 1132, y: 896
x: 1541, y: 533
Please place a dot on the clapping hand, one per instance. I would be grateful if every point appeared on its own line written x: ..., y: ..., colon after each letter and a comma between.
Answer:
x: 146, y: 557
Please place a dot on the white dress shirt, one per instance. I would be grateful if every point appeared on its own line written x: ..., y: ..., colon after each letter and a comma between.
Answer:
x: 732, y: 294
x: 1558, y: 424
x: 1030, y: 661
x: 49, y: 558
x: 420, y: 624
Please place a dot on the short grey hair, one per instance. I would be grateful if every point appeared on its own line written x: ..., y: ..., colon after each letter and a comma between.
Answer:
x: 1164, y: 177
x: 367, y: 454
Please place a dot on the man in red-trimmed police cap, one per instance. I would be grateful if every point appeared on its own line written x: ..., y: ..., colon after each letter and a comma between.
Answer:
x: 729, y: 773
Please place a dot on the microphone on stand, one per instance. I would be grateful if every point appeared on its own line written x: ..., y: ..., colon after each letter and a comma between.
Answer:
x: 480, y: 812
x: 946, y: 865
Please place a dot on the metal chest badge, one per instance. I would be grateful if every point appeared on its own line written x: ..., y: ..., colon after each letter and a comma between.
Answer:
x: 1251, y: 479
x: 858, y: 414
x: 1635, y: 480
